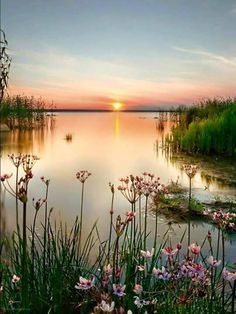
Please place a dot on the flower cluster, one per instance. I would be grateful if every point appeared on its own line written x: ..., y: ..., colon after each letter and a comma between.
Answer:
x: 83, y: 175
x: 17, y: 160
x: 224, y: 219
x: 28, y: 161
x: 190, y: 170
x: 132, y: 187
x: 23, y: 186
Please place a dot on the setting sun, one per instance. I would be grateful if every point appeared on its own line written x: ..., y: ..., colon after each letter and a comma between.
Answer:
x: 117, y: 105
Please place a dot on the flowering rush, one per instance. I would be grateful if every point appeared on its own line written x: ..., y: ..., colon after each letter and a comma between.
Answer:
x: 169, y: 251
x: 138, y: 289
x: 213, y: 262
x: 5, y: 177
x: 15, y: 279
x: 84, y: 283
x: 190, y: 170
x: 82, y: 175
x: 229, y: 276
x: 194, y: 248
x: 161, y: 273
x: 147, y: 254
x: 106, y: 307
x: 130, y: 216
x: 107, y: 269
x: 119, y: 290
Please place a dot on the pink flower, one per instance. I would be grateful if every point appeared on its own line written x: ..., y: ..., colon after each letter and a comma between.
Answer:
x: 130, y: 216
x: 107, y: 269
x: 168, y: 251
x: 106, y: 307
x: 213, y: 262
x: 194, y: 248
x: 15, y: 279
x: 84, y: 283
x: 138, y: 289
x: 229, y: 276
x: 119, y: 290
x: 161, y: 273
x: 5, y: 177
x: 147, y: 254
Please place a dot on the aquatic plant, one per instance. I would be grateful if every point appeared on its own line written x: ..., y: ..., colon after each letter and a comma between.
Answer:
x: 207, y: 128
x: 56, y: 275
x: 23, y: 112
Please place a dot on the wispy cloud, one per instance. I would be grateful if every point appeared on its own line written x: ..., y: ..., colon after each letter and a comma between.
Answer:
x: 209, y: 55
x: 233, y: 10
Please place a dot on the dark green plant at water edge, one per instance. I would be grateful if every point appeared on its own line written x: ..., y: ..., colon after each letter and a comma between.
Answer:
x: 23, y: 112
x: 209, y: 128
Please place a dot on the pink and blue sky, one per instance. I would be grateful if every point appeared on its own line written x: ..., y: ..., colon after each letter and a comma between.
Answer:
x: 144, y: 53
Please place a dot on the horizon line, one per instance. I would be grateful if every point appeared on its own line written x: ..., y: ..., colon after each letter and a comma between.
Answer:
x: 107, y: 110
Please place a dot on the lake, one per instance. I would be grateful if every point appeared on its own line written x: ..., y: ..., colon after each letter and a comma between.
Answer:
x: 110, y: 145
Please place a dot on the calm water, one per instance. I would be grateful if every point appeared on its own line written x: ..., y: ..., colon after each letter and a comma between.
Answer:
x: 110, y: 145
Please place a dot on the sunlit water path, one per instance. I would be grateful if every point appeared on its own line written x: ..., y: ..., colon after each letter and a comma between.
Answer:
x: 110, y: 145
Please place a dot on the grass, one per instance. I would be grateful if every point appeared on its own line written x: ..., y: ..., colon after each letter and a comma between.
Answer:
x: 22, y: 112
x: 54, y: 272
x: 208, y: 128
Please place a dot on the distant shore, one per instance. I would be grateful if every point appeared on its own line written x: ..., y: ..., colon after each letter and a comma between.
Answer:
x: 107, y: 110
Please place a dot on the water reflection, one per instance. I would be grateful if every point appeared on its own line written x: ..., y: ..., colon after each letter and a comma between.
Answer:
x: 110, y: 145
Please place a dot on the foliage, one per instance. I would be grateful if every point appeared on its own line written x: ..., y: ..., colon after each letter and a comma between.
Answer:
x: 208, y: 128
x: 53, y: 273
x: 22, y: 112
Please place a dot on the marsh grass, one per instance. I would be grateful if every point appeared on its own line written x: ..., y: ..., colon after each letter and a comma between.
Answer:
x: 208, y: 128
x: 22, y: 112
x: 54, y: 272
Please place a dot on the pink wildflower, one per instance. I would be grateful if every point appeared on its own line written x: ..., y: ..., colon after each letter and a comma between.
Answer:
x: 213, y: 262
x: 161, y: 273
x: 106, y: 307
x: 138, y: 289
x: 194, y: 248
x: 168, y: 251
x: 130, y: 216
x: 229, y: 276
x: 107, y: 270
x: 119, y: 290
x: 5, y: 177
x: 147, y: 254
x: 84, y: 283
x: 15, y: 279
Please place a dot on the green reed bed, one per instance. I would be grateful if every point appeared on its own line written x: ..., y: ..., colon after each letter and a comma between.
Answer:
x: 133, y: 272
x: 207, y: 128
x: 22, y: 112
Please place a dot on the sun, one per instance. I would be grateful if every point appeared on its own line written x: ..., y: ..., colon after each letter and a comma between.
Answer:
x: 117, y: 105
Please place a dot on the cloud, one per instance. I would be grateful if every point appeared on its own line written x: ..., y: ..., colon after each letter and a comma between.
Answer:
x: 209, y: 55
x: 233, y: 10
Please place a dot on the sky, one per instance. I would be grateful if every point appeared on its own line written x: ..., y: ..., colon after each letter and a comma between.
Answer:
x: 142, y: 53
